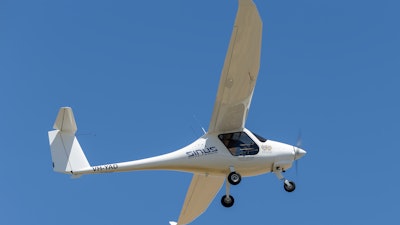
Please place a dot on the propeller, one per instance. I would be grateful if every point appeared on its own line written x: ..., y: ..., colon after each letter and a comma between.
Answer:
x: 298, y: 152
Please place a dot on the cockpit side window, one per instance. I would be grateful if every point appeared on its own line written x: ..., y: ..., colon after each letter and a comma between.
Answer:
x: 259, y: 137
x: 239, y: 143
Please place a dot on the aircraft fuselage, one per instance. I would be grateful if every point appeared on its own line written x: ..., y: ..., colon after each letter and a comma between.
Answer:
x: 209, y: 155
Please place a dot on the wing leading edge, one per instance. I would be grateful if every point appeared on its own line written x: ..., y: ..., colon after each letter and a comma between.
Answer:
x: 240, y: 71
x: 202, y: 191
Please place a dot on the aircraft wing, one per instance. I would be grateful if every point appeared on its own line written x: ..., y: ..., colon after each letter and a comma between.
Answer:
x: 202, y: 191
x: 240, y: 71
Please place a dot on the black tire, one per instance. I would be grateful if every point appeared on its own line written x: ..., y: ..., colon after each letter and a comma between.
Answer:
x: 227, y: 201
x: 234, y: 178
x: 289, y: 188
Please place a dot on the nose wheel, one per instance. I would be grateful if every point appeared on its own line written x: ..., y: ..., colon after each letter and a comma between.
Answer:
x: 288, y: 185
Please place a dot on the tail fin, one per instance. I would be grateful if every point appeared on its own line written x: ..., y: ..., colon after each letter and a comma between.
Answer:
x: 66, y: 153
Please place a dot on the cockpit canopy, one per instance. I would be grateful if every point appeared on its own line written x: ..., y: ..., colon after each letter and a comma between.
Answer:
x: 240, y: 144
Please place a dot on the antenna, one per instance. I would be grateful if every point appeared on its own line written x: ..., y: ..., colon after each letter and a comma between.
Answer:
x: 202, y: 128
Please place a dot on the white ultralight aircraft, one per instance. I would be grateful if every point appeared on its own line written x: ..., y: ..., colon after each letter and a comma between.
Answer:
x: 228, y: 151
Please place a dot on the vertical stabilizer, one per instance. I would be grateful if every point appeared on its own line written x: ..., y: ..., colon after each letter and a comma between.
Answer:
x: 66, y: 152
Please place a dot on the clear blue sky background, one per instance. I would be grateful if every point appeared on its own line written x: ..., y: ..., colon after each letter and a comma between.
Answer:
x: 137, y: 73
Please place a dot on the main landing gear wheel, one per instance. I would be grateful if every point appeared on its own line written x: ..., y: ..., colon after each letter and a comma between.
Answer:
x: 289, y: 186
x: 227, y: 201
x: 234, y: 178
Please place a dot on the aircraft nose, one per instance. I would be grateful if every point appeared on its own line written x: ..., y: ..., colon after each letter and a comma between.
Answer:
x: 299, y: 153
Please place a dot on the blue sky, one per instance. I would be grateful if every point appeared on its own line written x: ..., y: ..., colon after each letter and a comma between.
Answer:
x: 138, y: 73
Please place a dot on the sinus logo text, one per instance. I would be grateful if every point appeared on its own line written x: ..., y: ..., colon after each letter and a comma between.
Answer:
x: 202, y: 152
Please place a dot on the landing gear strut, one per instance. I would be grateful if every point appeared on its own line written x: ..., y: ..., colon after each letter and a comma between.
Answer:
x: 232, y: 179
x: 288, y: 185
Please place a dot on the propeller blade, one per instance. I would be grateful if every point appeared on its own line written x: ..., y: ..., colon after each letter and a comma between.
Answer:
x: 296, y: 150
x: 299, y: 140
